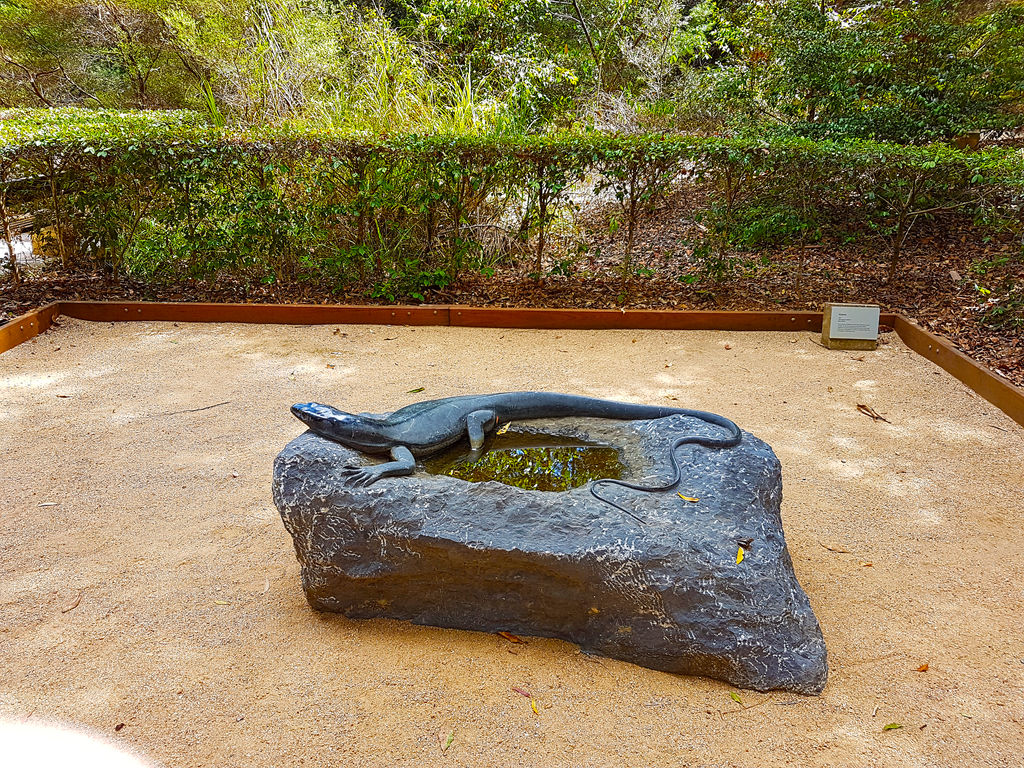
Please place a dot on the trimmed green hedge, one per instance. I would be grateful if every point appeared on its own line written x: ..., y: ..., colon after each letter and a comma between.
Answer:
x: 163, y: 195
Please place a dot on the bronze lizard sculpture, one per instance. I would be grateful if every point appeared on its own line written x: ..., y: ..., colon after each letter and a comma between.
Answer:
x: 427, y: 427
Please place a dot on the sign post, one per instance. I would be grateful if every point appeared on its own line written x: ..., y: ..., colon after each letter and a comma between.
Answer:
x: 850, y: 326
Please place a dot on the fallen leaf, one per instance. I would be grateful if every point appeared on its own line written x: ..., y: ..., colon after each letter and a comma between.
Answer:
x: 867, y: 410
x: 739, y: 555
x: 835, y: 549
x: 451, y: 738
x: 923, y: 668
x: 413, y: 391
x: 866, y: 563
x: 503, y: 428
x: 390, y: 338
x: 48, y: 504
x: 119, y: 726
x: 892, y: 727
x: 522, y: 691
x: 63, y: 395
x: 736, y: 697
x: 533, y: 706
x: 221, y: 602
x: 728, y: 346
x: 72, y: 605
x: 687, y: 498
x: 511, y: 638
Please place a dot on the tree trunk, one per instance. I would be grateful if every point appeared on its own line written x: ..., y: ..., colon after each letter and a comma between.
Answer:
x: 57, y: 230
x: 5, y: 220
x: 542, y: 213
x: 542, y: 209
x: 901, y: 231
x: 430, y: 229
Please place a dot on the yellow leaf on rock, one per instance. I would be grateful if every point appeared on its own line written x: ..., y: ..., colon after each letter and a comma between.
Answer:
x: 739, y: 555
x: 686, y: 498
x: 503, y: 428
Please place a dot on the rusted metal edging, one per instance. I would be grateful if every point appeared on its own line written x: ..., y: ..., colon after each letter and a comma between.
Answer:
x: 285, y: 314
x: 478, y: 317
x: 987, y: 384
x: 993, y: 388
x: 29, y: 325
x: 639, y: 319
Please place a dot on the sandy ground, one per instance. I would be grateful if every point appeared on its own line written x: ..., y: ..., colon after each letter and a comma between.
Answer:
x: 146, y: 579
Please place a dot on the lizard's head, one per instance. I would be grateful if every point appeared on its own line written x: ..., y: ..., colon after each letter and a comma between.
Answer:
x: 346, y: 428
x: 317, y: 416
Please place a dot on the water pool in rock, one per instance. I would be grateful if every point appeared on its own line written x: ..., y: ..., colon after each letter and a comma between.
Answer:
x: 532, y: 460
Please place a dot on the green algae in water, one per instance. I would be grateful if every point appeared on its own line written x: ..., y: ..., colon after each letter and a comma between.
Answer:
x: 538, y: 462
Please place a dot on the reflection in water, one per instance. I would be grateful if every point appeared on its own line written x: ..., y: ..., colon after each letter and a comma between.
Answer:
x: 538, y: 462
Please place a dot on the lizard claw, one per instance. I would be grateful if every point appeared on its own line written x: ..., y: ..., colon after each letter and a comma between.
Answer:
x: 360, y: 477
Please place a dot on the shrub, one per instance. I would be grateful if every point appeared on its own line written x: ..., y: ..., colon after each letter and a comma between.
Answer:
x: 164, y: 196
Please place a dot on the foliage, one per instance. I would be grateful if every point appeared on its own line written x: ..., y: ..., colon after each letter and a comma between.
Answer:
x: 910, y: 71
x: 904, y: 71
x: 164, y: 195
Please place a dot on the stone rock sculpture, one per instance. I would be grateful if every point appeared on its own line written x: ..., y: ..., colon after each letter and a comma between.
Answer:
x: 704, y: 586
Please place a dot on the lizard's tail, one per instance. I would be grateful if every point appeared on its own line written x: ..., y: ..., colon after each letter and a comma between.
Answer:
x: 541, y: 405
x: 634, y: 411
x: 725, y: 442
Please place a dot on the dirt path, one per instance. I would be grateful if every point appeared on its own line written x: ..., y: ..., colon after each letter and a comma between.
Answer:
x: 145, y: 577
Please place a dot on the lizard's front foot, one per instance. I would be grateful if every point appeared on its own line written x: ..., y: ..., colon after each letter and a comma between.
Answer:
x: 360, y: 477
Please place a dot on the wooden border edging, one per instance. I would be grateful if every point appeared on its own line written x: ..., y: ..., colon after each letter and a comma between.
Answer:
x: 993, y: 388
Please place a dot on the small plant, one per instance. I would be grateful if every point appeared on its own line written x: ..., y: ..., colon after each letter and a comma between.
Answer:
x: 715, y: 263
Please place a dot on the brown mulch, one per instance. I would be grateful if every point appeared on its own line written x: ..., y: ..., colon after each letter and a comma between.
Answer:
x: 937, y: 285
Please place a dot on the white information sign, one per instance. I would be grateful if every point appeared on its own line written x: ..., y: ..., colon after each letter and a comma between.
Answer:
x: 854, y: 321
